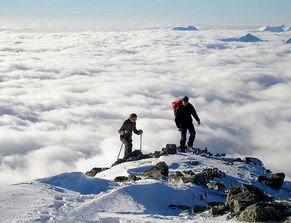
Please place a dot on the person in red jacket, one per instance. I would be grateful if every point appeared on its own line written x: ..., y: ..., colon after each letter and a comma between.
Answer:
x: 184, y: 122
x: 126, y: 130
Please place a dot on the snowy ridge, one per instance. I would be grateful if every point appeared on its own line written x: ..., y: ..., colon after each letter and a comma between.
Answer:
x: 74, y: 197
x: 282, y: 28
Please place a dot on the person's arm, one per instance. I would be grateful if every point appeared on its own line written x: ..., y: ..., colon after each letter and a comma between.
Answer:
x: 177, y: 118
x: 122, y: 130
x: 194, y: 113
x: 138, y: 132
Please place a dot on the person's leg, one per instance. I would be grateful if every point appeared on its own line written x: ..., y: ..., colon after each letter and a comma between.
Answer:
x: 192, y: 132
x: 183, y: 136
x: 128, y: 146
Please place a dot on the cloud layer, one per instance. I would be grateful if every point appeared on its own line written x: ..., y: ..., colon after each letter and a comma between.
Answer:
x: 63, y: 96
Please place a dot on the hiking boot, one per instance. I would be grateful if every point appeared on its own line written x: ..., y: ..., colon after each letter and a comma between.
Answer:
x: 181, y: 149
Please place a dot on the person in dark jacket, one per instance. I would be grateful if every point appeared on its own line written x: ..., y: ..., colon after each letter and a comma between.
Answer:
x: 126, y: 130
x: 184, y: 122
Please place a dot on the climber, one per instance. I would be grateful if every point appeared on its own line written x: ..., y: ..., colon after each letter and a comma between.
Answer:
x: 184, y: 122
x: 126, y: 130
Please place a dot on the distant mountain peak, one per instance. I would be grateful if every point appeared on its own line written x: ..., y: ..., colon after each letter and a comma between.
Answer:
x: 282, y: 28
x: 188, y: 28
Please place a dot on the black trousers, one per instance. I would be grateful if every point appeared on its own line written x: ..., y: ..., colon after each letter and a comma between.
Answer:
x: 127, y: 144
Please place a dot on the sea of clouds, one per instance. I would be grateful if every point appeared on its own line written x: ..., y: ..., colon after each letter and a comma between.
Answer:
x: 63, y: 96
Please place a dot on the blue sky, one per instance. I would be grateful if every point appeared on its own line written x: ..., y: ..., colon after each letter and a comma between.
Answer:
x: 244, y: 12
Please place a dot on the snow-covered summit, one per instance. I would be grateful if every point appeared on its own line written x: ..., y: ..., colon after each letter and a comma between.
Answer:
x: 167, y: 186
x: 247, y: 38
x: 188, y: 28
x: 282, y: 28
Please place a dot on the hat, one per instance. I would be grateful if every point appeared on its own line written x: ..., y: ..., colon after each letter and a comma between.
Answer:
x: 185, y: 99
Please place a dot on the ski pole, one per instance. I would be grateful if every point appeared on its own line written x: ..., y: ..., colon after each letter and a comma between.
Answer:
x: 140, y: 142
x: 120, y: 151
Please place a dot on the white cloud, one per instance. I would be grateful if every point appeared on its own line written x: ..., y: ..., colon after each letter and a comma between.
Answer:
x: 63, y: 96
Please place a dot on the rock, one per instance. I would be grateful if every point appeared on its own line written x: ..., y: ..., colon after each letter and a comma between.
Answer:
x: 262, y: 196
x: 217, y: 210
x: 238, y: 160
x: 275, y: 181
x: 216, y: 186
x: 156, y: 154
x: 198, y: 209
x: 194, y: 163
x: 170, y: 149
x: 95, y: 170
x: 262, y: 212
x: 121, y: 179
x: 182, y: 207
x: 238, y: 199
x: 133, y: 156
x: 252, y: 160
x: 288, y: 41
x: 211, y: 173
x: 213, y: 204
x: 176, y: 178
x: 126, y: 179
x: 228, y: 163
x: 220, y: 154
x: 158, y: 171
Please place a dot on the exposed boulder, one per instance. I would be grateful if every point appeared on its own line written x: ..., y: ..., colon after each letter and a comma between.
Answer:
x: 217, y: 210
x: 200, y: 178
x: 220, y: 154
x: 211, y: 173
x: 194, y: 163
x: 275, y: 181
x: 252, y: 160
x: 95, y: 170
x: 263, y: 212
x: 126, y: 179
x: 170, y: 149
x: 216, y: 186
x: 198, y: 209
x: 158, y: 171
x: 133, y: 156
x: 238, y: 199
x: 288, y: 41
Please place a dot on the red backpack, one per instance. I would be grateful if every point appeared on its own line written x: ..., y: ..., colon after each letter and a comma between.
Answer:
x: 176, y: 104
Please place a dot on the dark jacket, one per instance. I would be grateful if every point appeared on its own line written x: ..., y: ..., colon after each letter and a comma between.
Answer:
x: 184, y: 115
x: 130, y: 127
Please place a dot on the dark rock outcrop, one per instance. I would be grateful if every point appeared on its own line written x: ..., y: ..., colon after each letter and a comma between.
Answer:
x: 126, y: 179
x: 94, y: 171
x: 198, y: 209
x: 238, y: 199
x: 252, y: 160
x: 133, y: 156
x: 216, y: 186
x: 158, y: 171
x: 275, y: 181
x: 217, y: 210
x: 200, y: 178
x: 263, y: 212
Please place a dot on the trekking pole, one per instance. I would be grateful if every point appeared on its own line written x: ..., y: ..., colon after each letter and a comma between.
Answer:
x: 120, y: 151
x: 140, y: 142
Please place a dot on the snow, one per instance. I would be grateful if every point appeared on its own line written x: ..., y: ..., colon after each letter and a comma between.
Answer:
x: 73, y: 197
x: 282, y: 28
